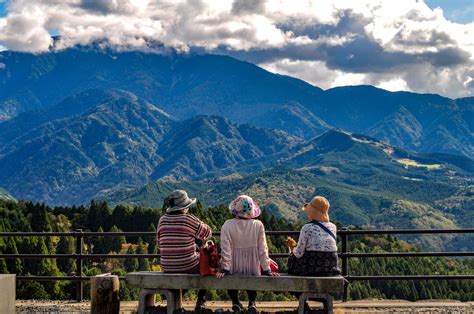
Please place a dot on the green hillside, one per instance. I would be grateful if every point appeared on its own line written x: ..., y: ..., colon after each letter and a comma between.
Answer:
x: 368, y: 182
x: 282, y: 191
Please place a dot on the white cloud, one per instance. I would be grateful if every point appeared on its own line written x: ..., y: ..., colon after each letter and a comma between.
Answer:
x: 328, y: 43
x: 395, y: 84
x: 314, y: 72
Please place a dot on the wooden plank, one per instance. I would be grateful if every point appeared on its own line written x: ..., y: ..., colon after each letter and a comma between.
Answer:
x: 159, y: 280
x: 105, y: 294
x: 7, y: 293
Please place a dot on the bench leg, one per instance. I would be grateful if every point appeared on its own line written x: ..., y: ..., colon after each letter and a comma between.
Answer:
x: 178, y: 297
x: 147, y: 298
x: 170, y: 303
x: 325, y: 298
x: 144, y: 300
x: 173, y: 300
x: 329, y: 303
x: 301, y: 305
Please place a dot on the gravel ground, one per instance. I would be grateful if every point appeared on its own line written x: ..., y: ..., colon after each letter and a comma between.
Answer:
x: 353, y: 307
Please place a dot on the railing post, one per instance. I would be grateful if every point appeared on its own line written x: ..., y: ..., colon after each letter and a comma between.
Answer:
x: 79, y: 245
x: 344, y: 249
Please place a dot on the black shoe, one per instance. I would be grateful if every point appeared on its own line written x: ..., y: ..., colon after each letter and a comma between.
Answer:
x: 200, y: 306
x: 252, y: 308
x: 237, y: 307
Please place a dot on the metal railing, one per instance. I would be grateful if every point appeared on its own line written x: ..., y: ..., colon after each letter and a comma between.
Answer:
x: 344, y: 254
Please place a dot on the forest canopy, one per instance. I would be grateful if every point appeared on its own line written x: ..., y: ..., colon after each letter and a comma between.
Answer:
x: 100, y: 217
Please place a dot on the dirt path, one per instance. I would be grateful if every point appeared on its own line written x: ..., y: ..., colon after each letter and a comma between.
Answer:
x: 353, y: 307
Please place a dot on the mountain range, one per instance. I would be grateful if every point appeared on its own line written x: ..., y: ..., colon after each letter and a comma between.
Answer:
x: 186, y: 85
x: 129, y: 127
x: 100, y: 139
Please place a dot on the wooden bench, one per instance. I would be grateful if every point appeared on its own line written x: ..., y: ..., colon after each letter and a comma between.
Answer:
x: 171, y: 285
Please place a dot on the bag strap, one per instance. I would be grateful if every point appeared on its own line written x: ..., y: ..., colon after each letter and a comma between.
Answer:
x: 324, y: 228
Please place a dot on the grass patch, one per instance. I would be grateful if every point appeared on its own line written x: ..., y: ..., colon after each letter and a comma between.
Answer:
x: 412, y: 163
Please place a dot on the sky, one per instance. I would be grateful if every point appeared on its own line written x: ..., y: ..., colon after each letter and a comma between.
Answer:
x: 414, y: 45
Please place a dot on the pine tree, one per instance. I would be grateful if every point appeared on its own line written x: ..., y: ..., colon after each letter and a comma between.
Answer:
x: 92, y: 216
x: 40, y: 220
x: 14, y: 266
x: 3, y: 266
x: 121, y: 215
x: 115, y: 243
x: 66, y: 246
x: 130, y: 264
x: 46, y: 267
x: 99, y: 243
x: 152, y: 239
x: 104, y: 215
x: 143, y: 263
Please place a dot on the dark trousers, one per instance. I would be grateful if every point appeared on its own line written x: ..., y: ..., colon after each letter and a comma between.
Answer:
x: 201, y: 295
x: 234, y: 295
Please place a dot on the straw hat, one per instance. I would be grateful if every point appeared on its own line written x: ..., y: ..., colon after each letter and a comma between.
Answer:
x: 317, y: 209
x: 244, y: 207
x: 179, y: 200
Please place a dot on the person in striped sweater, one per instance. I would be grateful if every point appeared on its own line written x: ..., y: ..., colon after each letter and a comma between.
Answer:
x: 177, y: 233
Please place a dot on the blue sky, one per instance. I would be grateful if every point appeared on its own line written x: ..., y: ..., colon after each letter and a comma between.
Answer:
x: 2, y: 8
x: 460, y: 11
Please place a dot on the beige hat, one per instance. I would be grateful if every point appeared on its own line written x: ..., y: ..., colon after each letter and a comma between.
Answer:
x: 317, y: 209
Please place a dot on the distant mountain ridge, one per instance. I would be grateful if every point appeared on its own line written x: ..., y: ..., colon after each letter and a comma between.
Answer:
x: 190, y: 85
x: 67, y: 155
x: 4, y: 195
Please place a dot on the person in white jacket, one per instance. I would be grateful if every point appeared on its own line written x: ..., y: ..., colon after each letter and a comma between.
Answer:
x: 316, y: 251
x: 244, y: 249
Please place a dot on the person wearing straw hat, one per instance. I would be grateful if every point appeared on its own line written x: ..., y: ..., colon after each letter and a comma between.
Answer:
x: 315, y: 254
x: 244, y: 249
x: 176, y: 235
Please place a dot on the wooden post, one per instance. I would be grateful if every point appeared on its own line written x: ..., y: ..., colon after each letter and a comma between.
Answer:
x: 105, y: 294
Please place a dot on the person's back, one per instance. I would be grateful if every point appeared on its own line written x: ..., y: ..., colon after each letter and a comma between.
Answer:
x: 317, y: 239
x: 176, y: 235
x: 316, y: 251
x: 244, y: 248
x: 176, y: 239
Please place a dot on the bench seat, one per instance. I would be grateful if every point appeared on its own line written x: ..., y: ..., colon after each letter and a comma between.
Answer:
x: 171, y: 285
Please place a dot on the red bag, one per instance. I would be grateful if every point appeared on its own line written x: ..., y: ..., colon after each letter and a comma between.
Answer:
x: 208, y: 259
x: 273, y: 266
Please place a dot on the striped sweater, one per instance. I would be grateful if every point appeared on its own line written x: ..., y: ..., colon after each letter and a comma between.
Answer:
x: 176, y: 235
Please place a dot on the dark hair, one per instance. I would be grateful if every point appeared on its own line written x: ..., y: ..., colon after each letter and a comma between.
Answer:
x: 177, y: 212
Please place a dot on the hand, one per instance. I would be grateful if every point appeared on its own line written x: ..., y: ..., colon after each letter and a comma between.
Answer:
x: 270, y: 273
x: 220, y: 275
x: 291, y: 243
